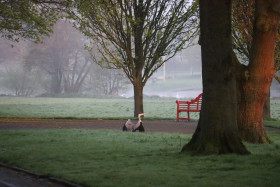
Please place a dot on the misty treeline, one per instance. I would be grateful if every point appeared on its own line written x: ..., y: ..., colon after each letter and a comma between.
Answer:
x: 137, y: 37
x: 62, y: 65
x: 59, y: 65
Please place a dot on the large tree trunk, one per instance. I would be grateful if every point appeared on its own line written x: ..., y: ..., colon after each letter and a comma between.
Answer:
x: 254, y: 82
x: 217, y: 131
x: 266, y: 107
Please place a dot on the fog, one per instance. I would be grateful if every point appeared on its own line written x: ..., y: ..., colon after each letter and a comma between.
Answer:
x: 61, y: 66
x: 29, y: 69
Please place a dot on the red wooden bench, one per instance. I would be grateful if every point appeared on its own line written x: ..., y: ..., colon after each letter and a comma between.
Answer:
x: 189, y: 106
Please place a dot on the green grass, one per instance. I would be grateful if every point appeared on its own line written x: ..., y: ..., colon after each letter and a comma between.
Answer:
x: 104, y: 108
x: 272, y: 123
x: 89, y: 108
x: 114, y: 158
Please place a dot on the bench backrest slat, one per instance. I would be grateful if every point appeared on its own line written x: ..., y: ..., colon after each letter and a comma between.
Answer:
x: 194, y: 104
x: 189, y: 106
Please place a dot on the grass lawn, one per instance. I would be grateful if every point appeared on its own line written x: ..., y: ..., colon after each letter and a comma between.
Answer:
x: 114, y: 158
x: 94, y: 108
x: 272, y: 123
x: 89, y: 108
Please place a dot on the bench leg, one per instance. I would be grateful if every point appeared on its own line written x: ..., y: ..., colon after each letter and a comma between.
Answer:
x: 189, y: 116
x: 177, y: 116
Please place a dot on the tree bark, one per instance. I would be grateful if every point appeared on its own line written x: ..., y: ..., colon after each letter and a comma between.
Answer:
x: 138, y: 98
x: 217, y: 131
x: 266, y: 107
x: 255, y: 79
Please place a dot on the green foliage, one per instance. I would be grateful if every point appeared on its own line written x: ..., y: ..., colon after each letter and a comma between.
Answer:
x: 115, y: 158
x: 26, y: 19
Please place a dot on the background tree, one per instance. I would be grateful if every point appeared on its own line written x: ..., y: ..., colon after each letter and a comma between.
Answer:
x: 62, y: 57
x: 134, y: 35
x: 77, y: 69
x: 242, y: 28
x: 105, y: 81
x: 217, y: 131
x: 254, y: 80
x: 20, y: 81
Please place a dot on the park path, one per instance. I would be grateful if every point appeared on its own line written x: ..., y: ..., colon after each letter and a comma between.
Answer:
x: 17, y: 177
x: 169, y: 126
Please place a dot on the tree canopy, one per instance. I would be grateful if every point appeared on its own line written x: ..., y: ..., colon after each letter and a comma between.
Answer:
x: 135, y: 35
x: 29, y: 19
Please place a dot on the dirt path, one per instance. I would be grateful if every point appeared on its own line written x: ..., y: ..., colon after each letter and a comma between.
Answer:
x: 169, y: 126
